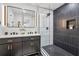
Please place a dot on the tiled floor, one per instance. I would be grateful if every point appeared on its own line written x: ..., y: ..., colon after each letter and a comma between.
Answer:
x: 53, y: 50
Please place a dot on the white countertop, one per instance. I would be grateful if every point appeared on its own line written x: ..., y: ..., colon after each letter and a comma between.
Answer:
x: 11, y: 36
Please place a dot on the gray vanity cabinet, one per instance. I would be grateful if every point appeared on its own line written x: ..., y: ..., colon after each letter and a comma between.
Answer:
x: 20, y: 46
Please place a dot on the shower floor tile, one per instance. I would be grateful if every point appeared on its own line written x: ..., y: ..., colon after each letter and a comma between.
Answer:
x: 54, y: 50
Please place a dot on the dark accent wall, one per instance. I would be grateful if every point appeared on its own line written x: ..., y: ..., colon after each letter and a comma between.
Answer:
x: 63, y: 37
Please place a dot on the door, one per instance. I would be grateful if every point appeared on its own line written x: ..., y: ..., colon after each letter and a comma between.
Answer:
x: 28, y: 47
x: 31, y: 45
x: 4, y: 50
x: 44, y: 29
x: 16, y: 48
x: 37, y: 44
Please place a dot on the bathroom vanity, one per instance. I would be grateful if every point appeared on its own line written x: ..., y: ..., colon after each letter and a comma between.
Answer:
x: 19, y: 45
x: 20, y: 36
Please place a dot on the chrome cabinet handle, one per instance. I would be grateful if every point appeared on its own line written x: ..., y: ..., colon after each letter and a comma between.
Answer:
x: 9, y: 47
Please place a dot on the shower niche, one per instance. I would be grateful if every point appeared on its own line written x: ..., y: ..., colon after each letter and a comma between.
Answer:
x: 71, y: 24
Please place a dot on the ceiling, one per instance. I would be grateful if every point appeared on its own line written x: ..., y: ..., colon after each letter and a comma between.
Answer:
x: 52, y: 6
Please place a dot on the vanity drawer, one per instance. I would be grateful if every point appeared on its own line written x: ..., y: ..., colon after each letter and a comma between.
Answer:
x: 18, y: 39
x: 3, y: 41
x: 10, y: 40
x: 34, y: 37
x: 25, y: 38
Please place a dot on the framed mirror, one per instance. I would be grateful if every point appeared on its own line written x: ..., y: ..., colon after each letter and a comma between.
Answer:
x: 15, y: 17
x: 18, y: 17
x: 29, y: 18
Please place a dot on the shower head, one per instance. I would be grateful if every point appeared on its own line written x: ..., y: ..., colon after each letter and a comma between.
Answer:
x: 48, y: 14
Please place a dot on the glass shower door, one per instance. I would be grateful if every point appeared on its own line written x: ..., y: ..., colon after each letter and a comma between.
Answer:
x: 44, y: 32
x: 44, y: 29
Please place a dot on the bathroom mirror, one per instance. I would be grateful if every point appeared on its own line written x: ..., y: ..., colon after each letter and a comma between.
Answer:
x: 18, y: 17
x: 29, y: 18
x: 15, y: 16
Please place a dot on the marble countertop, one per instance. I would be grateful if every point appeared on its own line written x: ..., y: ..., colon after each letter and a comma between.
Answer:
x: 11, y: 36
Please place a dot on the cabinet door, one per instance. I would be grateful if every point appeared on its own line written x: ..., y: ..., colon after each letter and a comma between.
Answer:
x: 4, y: 50
x: 37, y: 44
x: 28, y: 47
x: 31, y: 46
x: 16, y: 49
